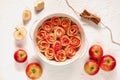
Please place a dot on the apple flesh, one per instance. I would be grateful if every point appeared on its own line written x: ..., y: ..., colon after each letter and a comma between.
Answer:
x: 33, y: 70
x: 20, y: 33
x: 26, y: 15
x: 20, y: 55
x: 96, y: 52
x: 107, y: 63
x: 91, y: 67
x: 39, y: 5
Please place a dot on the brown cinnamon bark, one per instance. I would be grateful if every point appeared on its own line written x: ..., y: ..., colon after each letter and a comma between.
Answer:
x: 89, y: 16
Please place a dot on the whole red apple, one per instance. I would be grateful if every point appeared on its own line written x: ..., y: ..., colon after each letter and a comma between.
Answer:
x: 91, y: 67
x: 96, y: 52
x: 107, y: 63
x: 20, y: 55
x: 33, y: 70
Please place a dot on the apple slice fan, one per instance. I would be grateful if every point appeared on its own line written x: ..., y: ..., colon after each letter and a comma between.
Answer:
x: 93, y: 18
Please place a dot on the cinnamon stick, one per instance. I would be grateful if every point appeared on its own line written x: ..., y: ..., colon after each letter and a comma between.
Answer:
x: 89, y: 16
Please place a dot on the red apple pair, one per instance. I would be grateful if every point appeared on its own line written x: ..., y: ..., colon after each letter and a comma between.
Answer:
x: 33, y: 70
x: 97, y: 61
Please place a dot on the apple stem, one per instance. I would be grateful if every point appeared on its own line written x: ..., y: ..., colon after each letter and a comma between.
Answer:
x: 16, y: 29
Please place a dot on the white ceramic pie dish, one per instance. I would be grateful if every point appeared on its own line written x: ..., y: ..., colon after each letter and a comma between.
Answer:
x: 79, y: 54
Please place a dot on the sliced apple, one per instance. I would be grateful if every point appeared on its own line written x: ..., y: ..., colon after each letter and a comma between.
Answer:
x: 20, y: 33
x: 39, y: 5
x: 26, y: 15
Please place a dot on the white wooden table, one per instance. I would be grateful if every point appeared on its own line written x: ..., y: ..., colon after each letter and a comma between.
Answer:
x: 10, y: 17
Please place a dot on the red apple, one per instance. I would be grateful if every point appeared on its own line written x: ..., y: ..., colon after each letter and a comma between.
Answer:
x: 91, y: 67
x: 96, y: 52
x: 33, y: 70
x: 20, y: 55
x: 107, y: 63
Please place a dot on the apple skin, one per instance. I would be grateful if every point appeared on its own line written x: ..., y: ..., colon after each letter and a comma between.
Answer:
x: 20, y: 55
x: 33, y: 70
x: 91, y: 67
x: 107, y: 63
x: 96, y: 52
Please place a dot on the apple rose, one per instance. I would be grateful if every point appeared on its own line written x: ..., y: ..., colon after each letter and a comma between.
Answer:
x: 65, y: 22
x: 75, y: 41
x: 70, y: 51
x: 51, y: 38
x: 47, y: 26
x: 60, y: 56
x: 59, y: 31
x: 41, y: 34
x: 57, y: 45
x: 43, y: 45
x: 56, y: 21
x: 65, y: 40
x: 72, y: 30
x: 50, y: 53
